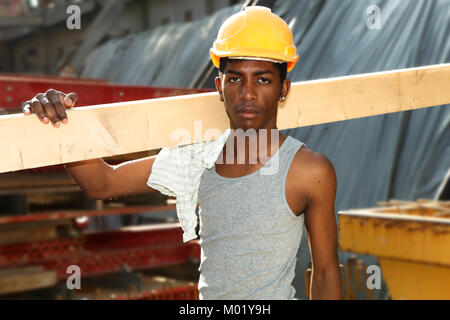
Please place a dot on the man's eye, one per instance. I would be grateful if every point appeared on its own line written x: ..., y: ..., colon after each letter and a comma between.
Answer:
x: 263, y: 80
x: 234, y: 79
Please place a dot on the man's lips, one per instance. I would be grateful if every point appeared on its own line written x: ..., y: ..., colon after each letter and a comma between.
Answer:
x: 248, y: 113
x: 246, y: 109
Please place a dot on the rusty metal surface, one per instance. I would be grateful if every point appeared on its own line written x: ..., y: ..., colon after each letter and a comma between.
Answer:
x: 411, y: 241
x: 410, y: 231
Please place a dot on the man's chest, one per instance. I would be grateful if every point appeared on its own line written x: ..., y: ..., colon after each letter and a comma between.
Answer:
x: 294, y: 187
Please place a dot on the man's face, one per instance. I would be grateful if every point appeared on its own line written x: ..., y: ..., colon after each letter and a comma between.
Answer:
x: 251, y: 91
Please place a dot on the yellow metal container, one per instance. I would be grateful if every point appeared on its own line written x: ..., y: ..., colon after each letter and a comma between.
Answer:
x: 411, y: 241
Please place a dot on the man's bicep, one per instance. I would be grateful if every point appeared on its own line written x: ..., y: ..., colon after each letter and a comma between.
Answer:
x: 130, y: 177
x: 320, y: 219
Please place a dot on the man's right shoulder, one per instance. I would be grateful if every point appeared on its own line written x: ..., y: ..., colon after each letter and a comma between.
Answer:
x: 310, y: 165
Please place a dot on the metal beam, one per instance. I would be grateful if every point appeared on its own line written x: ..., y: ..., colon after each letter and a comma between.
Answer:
x: 71, y: 214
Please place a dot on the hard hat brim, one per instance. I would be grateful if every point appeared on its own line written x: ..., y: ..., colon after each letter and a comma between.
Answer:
x: 256, y: 53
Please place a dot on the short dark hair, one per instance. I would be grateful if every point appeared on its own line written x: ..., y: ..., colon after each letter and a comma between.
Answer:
x: 282, y: 67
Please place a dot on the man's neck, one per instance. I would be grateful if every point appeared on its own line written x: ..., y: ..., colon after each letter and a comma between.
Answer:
x: 252, y: 146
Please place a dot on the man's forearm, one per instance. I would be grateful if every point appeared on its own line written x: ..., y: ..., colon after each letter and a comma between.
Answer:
x: 90, y: 175
x: 326, y: 285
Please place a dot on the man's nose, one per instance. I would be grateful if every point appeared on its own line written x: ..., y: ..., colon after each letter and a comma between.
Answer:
x: 248, y: 92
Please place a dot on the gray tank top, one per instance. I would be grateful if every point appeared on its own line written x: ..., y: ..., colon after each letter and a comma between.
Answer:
x: 249, y: 236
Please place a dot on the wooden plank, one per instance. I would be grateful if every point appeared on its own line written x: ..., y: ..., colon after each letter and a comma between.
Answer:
x: 27, y: 278
x: 121, y: 128
x: 6, y: 272
x: 350, y: 97
x: 25, y: 233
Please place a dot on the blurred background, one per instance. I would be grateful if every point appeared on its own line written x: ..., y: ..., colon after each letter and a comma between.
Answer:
x: 111, y: 51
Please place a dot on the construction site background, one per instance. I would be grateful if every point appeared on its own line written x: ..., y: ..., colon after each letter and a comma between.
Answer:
x: 166, y: 44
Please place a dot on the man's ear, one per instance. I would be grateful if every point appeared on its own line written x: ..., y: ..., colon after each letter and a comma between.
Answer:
x: 219, y: 87
x: 285, y: 86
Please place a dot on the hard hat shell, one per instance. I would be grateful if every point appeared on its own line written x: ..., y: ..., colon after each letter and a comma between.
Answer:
x: 255, y: 32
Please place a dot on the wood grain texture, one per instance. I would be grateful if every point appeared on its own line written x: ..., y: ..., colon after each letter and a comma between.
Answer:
x: 126, y: 127
x: 26, y: 278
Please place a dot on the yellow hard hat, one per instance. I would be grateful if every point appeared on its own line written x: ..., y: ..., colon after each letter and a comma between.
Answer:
x: 255, y: 33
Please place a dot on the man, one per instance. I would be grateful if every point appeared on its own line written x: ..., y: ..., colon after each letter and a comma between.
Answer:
x: 250, y: 222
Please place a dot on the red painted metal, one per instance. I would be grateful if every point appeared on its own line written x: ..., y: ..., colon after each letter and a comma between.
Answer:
x: 189, y: 292
x: 105, y: 252
x: 14, y: 90
x: 70, y: 214
x: 32, y: 77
